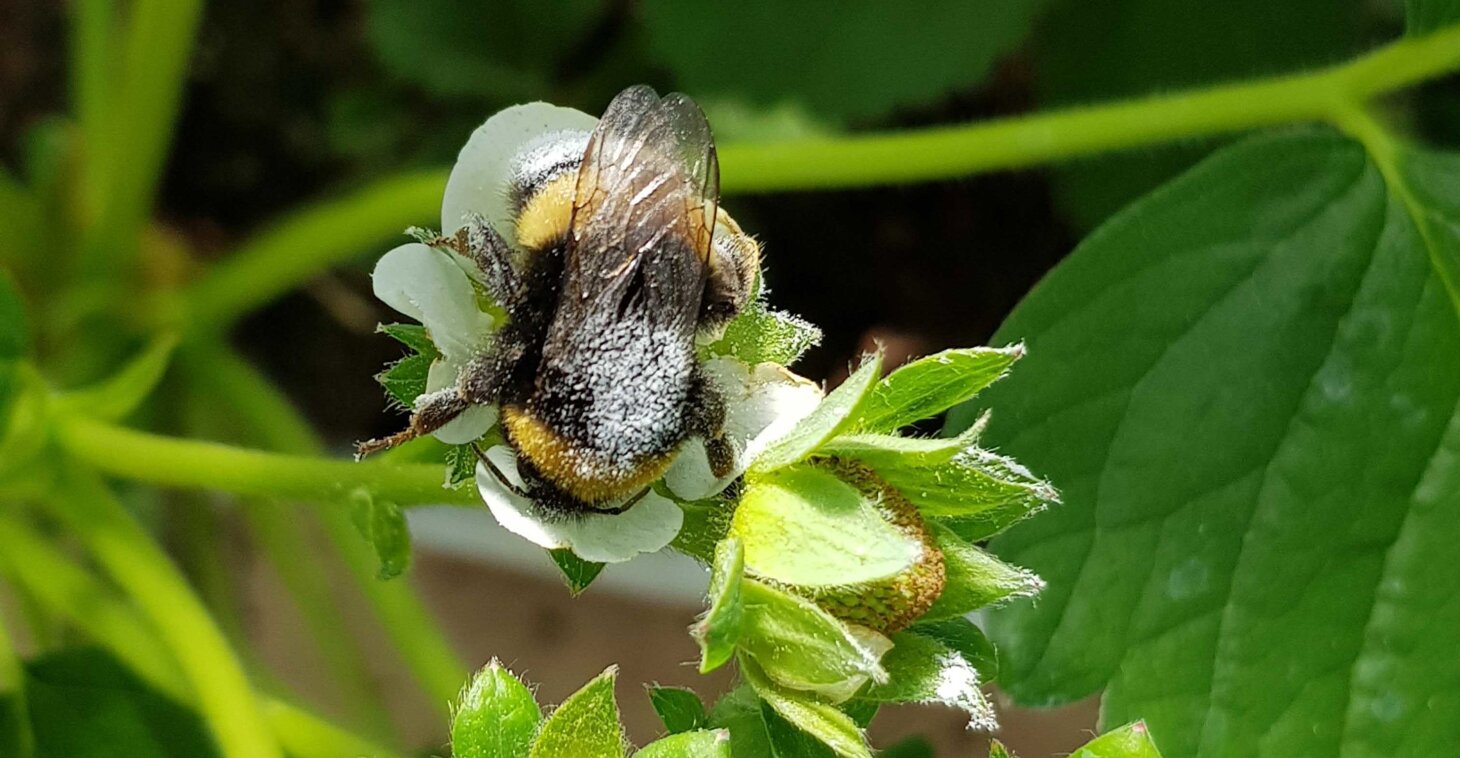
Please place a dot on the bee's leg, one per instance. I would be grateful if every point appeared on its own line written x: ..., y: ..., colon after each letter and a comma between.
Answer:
x: 706, y: 417
x: 486, y: 248
x: 733, y: 264
x: 432, y: 412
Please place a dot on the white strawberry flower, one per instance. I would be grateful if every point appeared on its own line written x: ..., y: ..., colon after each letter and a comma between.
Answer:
x: 434, y: 287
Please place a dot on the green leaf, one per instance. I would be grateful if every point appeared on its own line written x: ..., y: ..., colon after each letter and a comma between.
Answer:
x: 585, y: 725
x: 1129, y: 741
x: 383, y: 525
x: 739, y: 711
x: 974, y: 579
x: 1424, y: 16
x: 761, y: 335
x: 933, y: 384
x: 719, y: 630
x: 1246, y: 386
x: 836, y: 411
x: 961, y: 635
x: 679, y: 708
x: 413, y: 336
x: 830, y: 726
x: 807, y: 527
x: 405, y: 380
x: 802, y: 646
x: 701, y: 744
x: 924, y: 670
x: 977, y: 492
x: 495, y: 717
x: 767, y: 52
x: 502, y: 50
x: 577, y: 572
x: 85, y: 704
x: 1099, y: 50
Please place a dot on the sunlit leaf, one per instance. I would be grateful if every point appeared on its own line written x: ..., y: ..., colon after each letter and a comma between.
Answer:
x: 1129, y: 741
x: 761, y: 334
x: 922, y: 669
x: 807, y: 527
x: 586, y: 724
x: 699, y: 744
x: 495, y: 717
x: 719, y: 630
x: 961, y: 635
x: 933, y: 384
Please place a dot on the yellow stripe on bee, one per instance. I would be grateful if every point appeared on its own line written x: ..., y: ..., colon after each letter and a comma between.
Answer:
x: 546, y: 215
x: 557, y: 459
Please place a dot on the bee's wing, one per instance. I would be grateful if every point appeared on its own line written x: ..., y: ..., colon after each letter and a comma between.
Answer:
x: 643, y: 212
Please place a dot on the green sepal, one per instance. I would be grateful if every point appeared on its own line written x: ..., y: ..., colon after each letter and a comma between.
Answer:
x: 1129, y: 741
x: 699, y: 744
x: 383, y: 525
x: 816, y: 718
x: 981, y: 491
x: 887, y: 451
x: 933, y: 384
x: 835, y: 413
x: 413, y: 336
x: 973, y: 578
x: 718, y: 631
x: 998, y: 750
x: 803, y: 647
x: 586, y: 725
x: 762, y: 335
x: 739, y: 711
x: 495, y: 716
x: 679, y: 708
x: 405, y: 380
x: 461, y: 466
x: 807, y: 527
x: 922, y: 669
x: 965, y: 638
x: 577, y: 573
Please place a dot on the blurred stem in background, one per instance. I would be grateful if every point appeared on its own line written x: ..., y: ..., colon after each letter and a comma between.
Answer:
x: 312, y: 240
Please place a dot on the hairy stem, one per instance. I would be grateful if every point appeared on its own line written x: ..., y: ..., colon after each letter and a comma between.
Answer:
x: 306, y: 244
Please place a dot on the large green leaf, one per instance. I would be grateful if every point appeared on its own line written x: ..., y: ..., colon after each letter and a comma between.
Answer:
x: 495, y: 717
x: 845, y: 60
x: 84, y: 704
x: 1425, y: 16
x: 1089, y: 50
x: 1246, y: 387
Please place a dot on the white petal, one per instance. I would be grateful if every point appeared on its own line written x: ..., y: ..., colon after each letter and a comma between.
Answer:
x: 428, y: 286
x: 472, y: 423
x: 485, y: 165
x: 762, y: 404
x: 646, y: 527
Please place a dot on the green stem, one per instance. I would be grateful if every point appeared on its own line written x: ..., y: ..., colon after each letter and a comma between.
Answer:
x: 12, y: 687
x: 156, y: 46
x: 275, y: 422
x: 317, y: 238
x: 70, y: 591
x: 192, y: 464
x: 93, y: 69
x: 145, y: 573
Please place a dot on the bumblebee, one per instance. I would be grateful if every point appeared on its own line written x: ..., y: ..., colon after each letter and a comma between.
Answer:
x: 623, y: 258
